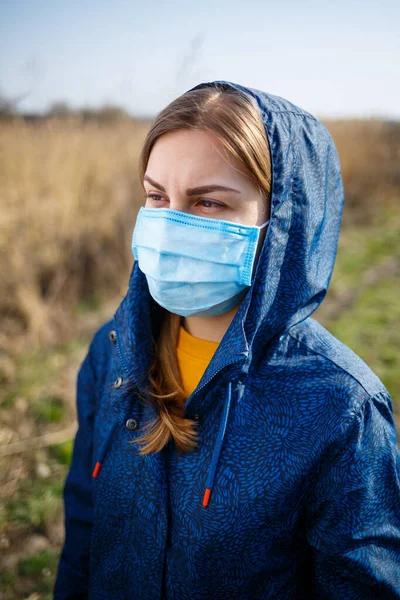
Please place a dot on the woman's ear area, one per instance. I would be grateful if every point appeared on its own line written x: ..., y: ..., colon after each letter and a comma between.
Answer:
x: 264, y: 216
x: 265, y: 207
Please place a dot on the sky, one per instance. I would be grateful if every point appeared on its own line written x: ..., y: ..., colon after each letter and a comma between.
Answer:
x: 333, y: 58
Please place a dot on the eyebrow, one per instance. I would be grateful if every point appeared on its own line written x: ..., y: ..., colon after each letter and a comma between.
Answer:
x: 204, y: 189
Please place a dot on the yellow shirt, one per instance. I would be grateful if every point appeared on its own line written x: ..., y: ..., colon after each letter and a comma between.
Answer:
x: 193, y: 355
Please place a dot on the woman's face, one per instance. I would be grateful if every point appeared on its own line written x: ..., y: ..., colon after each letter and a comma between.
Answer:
x: 183, y: 172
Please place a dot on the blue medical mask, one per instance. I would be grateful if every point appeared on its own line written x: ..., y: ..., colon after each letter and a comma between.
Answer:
x: 194, y: 265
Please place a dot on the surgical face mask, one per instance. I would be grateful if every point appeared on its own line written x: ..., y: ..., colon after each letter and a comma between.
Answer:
x: 194, y: 265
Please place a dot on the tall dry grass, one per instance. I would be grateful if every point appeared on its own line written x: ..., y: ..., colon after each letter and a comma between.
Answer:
x: 69, y: 194
x: 369, y: 152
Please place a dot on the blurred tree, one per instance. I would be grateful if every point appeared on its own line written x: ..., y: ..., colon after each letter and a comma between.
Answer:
x: 105, y: 114
x: 60, y: 110
x: 8, y: 104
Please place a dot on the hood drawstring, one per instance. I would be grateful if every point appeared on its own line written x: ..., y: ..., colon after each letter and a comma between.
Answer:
x: 104, y: 449
x: 217, y: 447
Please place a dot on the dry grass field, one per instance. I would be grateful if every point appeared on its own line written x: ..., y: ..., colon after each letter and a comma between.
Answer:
x: 69, y: 193
x: 68, y: 198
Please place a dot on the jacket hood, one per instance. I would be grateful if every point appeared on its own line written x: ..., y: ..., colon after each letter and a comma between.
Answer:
x: 292, y: 274
x: 299, y: 251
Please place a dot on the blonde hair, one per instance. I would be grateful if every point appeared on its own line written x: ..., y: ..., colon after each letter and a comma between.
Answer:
x: 236, y: 121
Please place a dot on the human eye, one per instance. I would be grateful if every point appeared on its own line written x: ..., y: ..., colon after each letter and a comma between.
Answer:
x: 155, y: 200
x: 208, y: 205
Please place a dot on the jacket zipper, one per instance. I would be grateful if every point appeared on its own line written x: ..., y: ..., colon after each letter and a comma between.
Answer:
x: 198, y: 389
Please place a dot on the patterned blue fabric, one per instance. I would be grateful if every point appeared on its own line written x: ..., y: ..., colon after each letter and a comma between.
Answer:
x: 297, y: 438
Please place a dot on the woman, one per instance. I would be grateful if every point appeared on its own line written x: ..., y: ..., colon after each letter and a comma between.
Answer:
x: 228, y: 445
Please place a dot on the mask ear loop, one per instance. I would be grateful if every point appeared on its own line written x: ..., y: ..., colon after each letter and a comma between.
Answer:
x: 264, y: 224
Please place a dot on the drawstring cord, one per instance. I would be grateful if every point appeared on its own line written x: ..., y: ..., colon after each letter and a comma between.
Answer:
x: 214, y: 461
x: 217, y: 448
x: 104, y: 449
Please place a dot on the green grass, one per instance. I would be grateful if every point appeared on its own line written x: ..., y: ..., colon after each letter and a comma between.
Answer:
x: 36, y: 372
x: 36, y: 502
x: 33, y: 574
x: 7, y: 578
x: 49, y: 409
x: 371, y: 328
x: 63, y: 452
x: 36, y: 564
x: 360, y: 250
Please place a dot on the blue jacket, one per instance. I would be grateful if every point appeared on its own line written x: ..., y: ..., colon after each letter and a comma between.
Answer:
x: 297, y: 438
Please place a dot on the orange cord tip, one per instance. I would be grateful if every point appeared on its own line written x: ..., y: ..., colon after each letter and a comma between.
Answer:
x: 206, y: 497
x: 96, y: 470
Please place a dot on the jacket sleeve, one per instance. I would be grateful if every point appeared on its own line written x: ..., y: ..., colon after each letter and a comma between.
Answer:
x: 353, y: 523
x: 72, y: 580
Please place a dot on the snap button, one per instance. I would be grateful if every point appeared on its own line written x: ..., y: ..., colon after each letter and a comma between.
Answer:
x: 118, y: 382
x: 196, y: 417
x: 112, y: 336
x: 131, y: 424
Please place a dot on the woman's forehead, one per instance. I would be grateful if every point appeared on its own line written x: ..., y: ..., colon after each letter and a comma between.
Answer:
x: 195, y: 158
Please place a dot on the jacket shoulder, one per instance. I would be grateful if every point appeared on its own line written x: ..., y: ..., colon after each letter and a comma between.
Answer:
x: 319, y: 342
x: 102, y: 333
x: 100, y: 348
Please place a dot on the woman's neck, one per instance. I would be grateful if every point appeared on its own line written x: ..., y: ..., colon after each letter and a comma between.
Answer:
x: 212, y: 329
